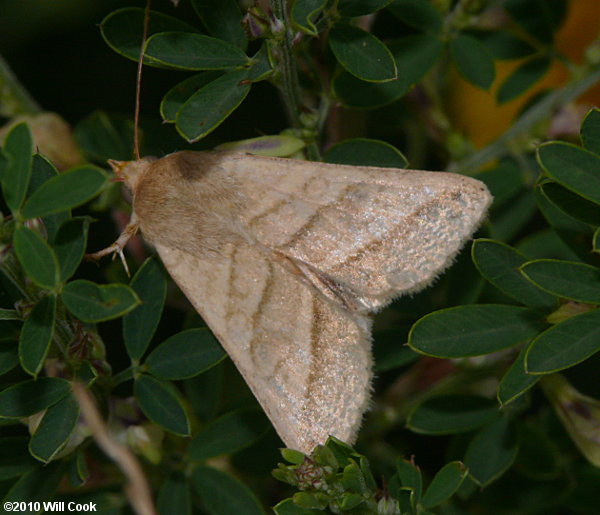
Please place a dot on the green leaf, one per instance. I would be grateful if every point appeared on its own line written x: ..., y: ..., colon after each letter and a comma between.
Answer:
x: 444, y: 484
x: 37, y: 485
x: 410, y: 477
x: 8, y: 360
x: 222, y: 19
x: 105, y: 137
x: 161, y: 405
x: 572, y: 204
x: 18, y: 147
x: 279, y: 145
x: 92, y: 302
x: 288, y: 507
x: 505, y: 45
x: 174, y: 496
x: 223, y: 494
x: 139, y: 325
x: 473, y: 330
x: 69, y: 245
x: 362, y: 54
x: 492, y: 451
x: 206, y: 109
x: 305, y: 12
x: 78, y: 471
x: 29, y: 397
x: 41, y: 171
x: 414, y: 57
x: 353, y: 8
x: 419, y: 14
x: 499, y: 264
x: 504, y: 181
x: 450, y: 414
x: 565, y: 344
x: 66, y: 190
x: 573, y: 167
x: 189, y: 51
x: 365, y: 152
x: 523, y: 78
x: 516, y: 381
x: 123, y: 30
x: 36, y: 335
x: 180, y: 93
x: 473, y: 61
x: 55, y: 429
x: 185, y: 355
x: 509, y: 223
x: 590, y: 131
x: 229, y: 433
x: 574, y: 281
x: 36, y: 257
x: 538, y: 17
x: 571, y: 231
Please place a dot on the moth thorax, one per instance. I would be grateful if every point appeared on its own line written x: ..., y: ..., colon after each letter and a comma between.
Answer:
x: 132, y: 171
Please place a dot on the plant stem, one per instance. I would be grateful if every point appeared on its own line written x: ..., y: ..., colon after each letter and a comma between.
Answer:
x: 14, y: 98
x: 526, y: 122
x: 289, y: 84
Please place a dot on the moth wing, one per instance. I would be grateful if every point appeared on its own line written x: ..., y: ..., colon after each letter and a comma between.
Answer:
x: 306, y: 359
x: 368, y: 234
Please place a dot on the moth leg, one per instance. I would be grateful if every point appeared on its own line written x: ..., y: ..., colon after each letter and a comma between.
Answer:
x: 117, y: 246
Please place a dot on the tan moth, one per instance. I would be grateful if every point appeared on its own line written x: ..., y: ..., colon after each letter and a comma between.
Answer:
x: 284, y: 259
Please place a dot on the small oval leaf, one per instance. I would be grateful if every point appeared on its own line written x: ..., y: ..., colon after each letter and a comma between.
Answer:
x: 150, y: 285
x: 473, y: 61
x: 161, y: 405
x: 18, y: 147
x: 92, y: 302
x: 55, y: 429
x: 573, y: 167
x: 365, y: 152
x: 36, y: 257
x: 444, y: 484
x: 206, y: 109
x: 473, y: 330
x: 36, y: 335
x: 565, y: 344
x: 189, y: 51
x: 229, y: 433
x: 499, y: 264
x: 185, y: 355
x: 571, y: 280
x: 123, y: 30
x: 65, y: 191
x: 361, y: 53
x: 452, y: 414
x: 492, y: 451
x: 590, y: 131
x: 223, y: 494
x: 29, y: 397
x: 69, y: 245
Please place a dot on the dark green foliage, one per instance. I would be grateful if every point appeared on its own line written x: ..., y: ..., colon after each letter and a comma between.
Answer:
x: 466, y: 380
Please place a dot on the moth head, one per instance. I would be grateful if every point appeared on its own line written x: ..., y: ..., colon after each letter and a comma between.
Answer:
x: 130, y: 172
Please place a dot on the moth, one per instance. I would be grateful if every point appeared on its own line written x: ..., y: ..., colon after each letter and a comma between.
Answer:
x: 284, y: 260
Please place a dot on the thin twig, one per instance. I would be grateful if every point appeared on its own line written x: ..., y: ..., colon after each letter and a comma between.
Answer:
x: 289, y: 85
x: 526, y: 122
x: 137, y: 490
x: 138, y: 84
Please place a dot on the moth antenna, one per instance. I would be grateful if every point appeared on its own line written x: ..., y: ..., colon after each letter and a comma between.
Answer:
x: 138, y: 84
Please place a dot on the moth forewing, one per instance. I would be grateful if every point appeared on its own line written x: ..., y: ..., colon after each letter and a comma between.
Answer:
x: 282, y: 258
